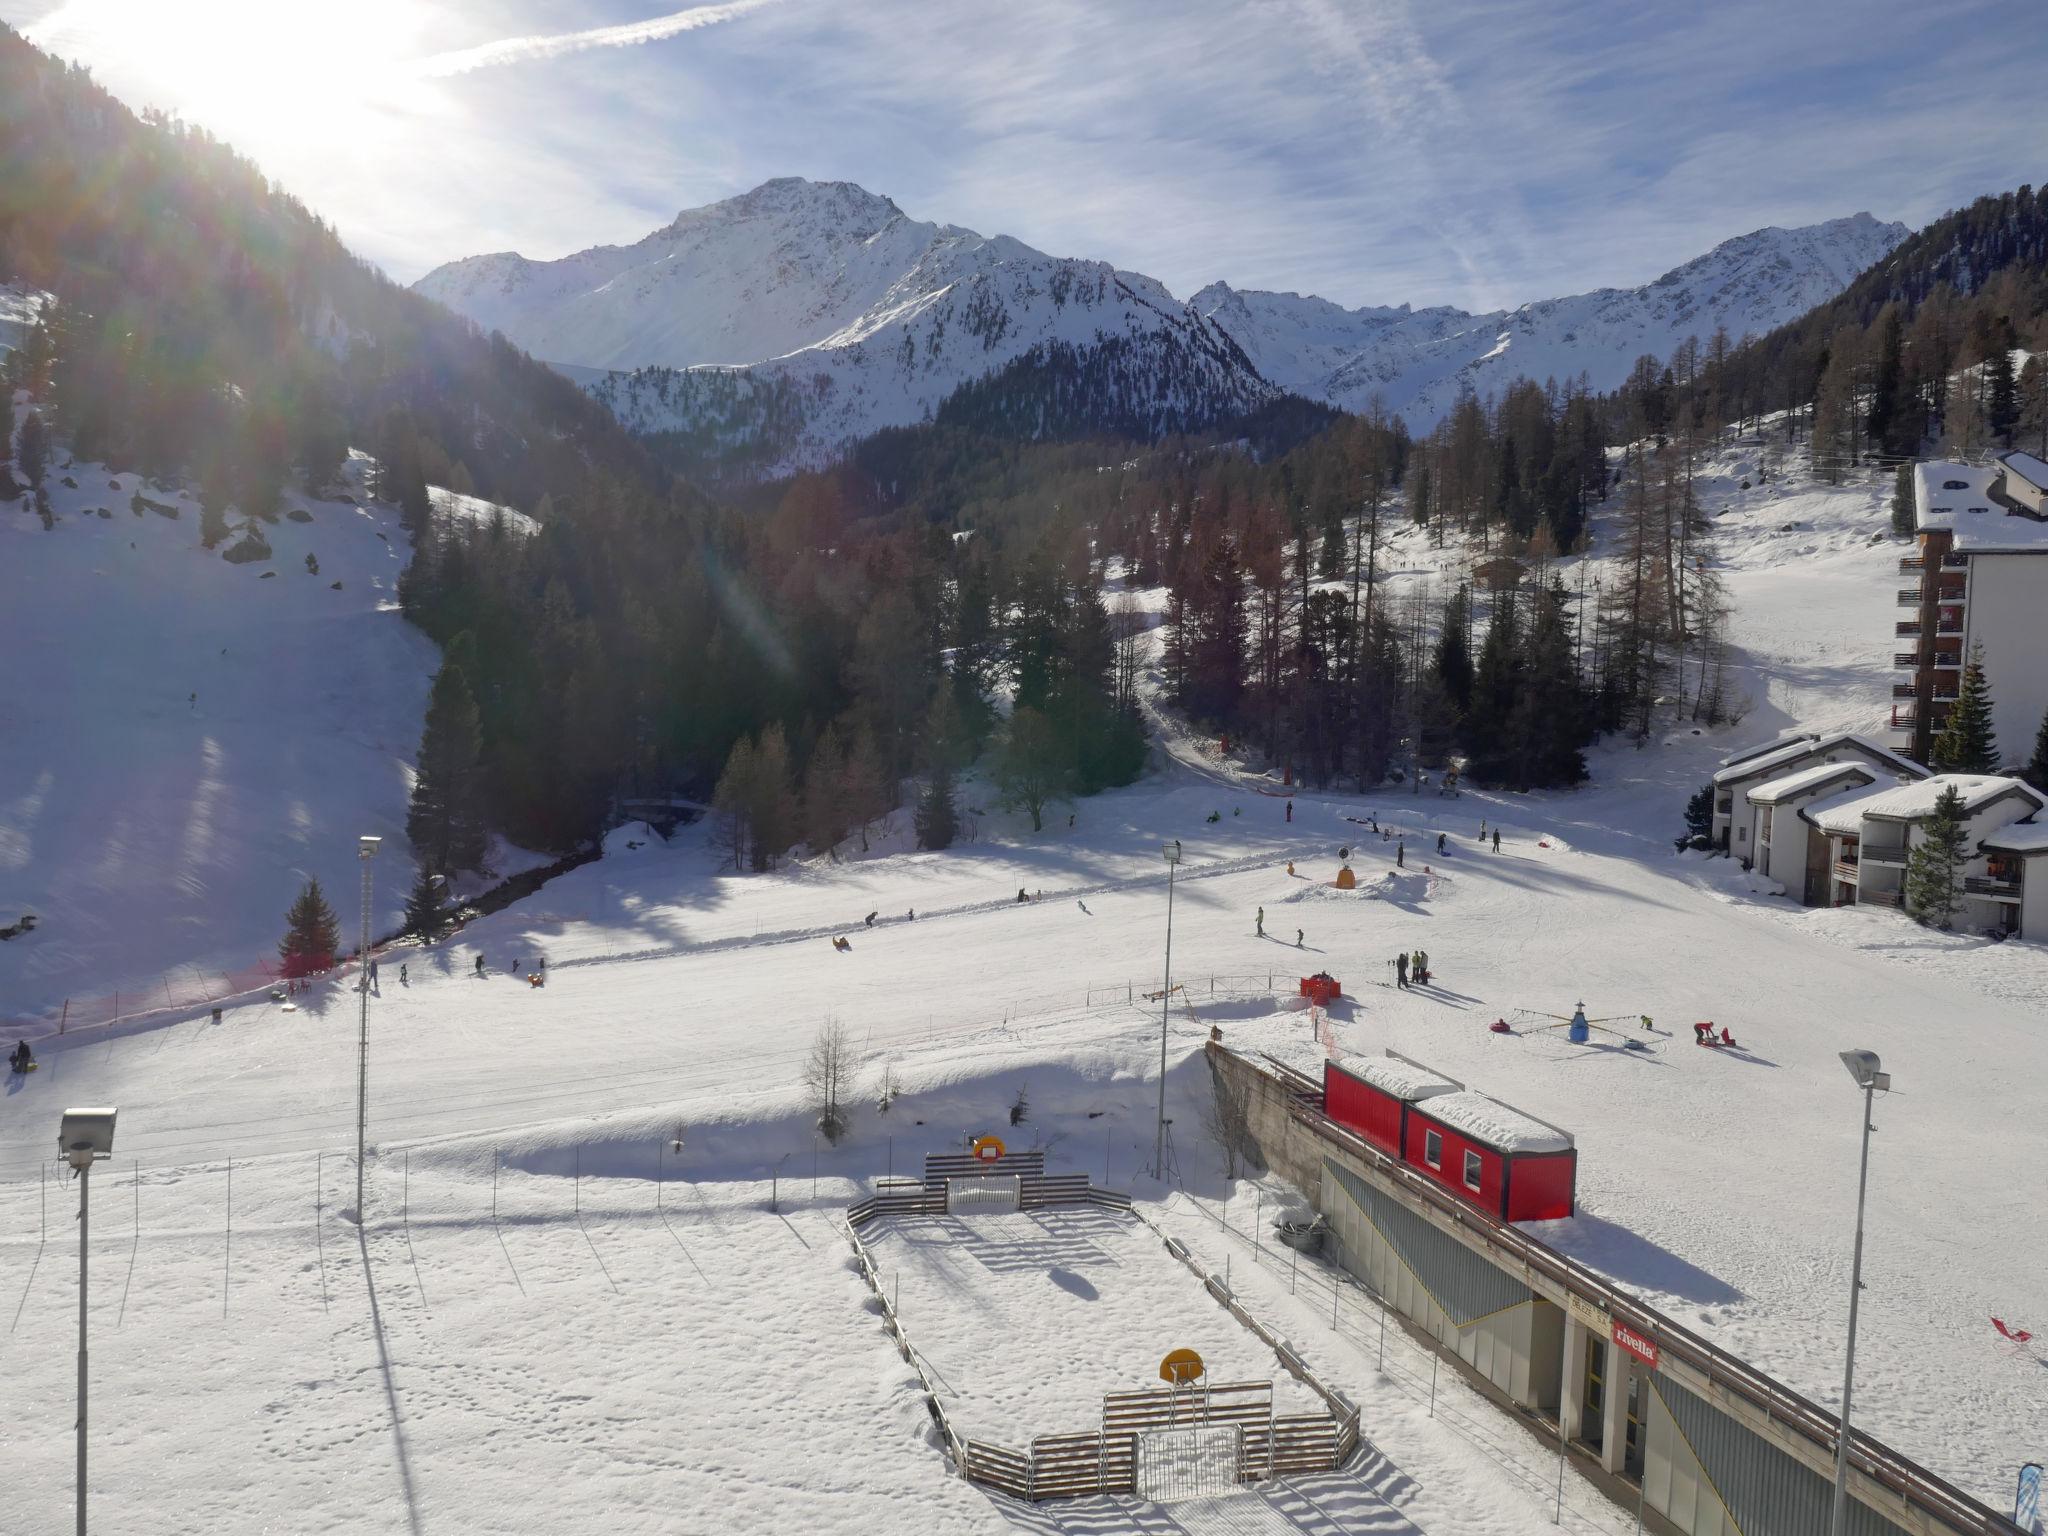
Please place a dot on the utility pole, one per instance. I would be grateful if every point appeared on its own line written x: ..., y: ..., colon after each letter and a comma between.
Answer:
x: 84, y: 1137
x: 366, y: 850
x: 1172, y: 852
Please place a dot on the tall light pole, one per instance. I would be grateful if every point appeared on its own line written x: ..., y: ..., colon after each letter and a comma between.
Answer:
x: 366, y: 851
x: 84, y: 1136
x: 1863, y: 1066
x: 1172, y: 852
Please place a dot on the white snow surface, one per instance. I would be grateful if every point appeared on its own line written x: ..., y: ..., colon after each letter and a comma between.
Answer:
x: 590, y: 1362
x: 1401, y: 1079
x: 1843, y: 813
x: 1498, y: 1125
x: 1807, y: 778
x: 1419, y: 361
x: 19, y: 308
x: 183, y: 741
x: 2021, y: 837
x: 1907, y: 801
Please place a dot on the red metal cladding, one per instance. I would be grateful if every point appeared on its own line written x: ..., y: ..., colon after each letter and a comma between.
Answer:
x: 1373, y: 1113
x: 1515, y: 1186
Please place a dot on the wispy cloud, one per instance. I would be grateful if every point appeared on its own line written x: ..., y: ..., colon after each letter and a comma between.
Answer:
x: 520, y: 50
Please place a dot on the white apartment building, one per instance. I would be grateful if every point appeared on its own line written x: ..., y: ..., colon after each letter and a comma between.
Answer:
x: 1742, y: 773
x: 1980, y: 577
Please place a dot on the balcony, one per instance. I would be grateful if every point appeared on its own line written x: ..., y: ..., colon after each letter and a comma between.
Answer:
x: 1905, y: 658
x: 1905, y: 690
x: 1909, y: 597
x: 1878, y: 898
x: 1944, y: 626
x: 1892, y: 857
x: 1991, y: 887
x: 1908, y: 564
x: 1903, y: 716
x: 1907, y: 629
x: 1949, y: 659
x: 1955, y: 562
x: 1845, y: 871
x: 1953, y: 592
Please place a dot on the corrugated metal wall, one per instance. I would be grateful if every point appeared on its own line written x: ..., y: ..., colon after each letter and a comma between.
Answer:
x: 1711, y: 1476
x: 1493, y: 1321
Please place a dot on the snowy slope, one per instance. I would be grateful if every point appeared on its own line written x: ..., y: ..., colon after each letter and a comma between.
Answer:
x: 824, y: 290
x: 1419, y: 361
x: 183, y: 740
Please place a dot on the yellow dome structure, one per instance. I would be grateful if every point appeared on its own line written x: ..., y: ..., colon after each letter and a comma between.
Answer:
x: 1346, y: 880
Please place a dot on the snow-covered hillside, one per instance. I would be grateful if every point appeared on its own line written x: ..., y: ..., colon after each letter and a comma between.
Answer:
x: 822, y: 292
x: 1419, y: 360
x: 184, y: 739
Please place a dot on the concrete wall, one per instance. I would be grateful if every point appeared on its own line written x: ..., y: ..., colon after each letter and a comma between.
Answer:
x: 2007, y: 596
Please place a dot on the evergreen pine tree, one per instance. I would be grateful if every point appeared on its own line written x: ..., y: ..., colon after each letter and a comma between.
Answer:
x: 445, y: 823
x: 938, y: 818
x: 1031, y: 767
x: 2037, y: 766
x: 771, y: 803
x: 1699, y: 819
x: 1904, y: 519
x: 825, y: 806
x: 1453, y: 662
x: 423, y: 914
x: 2001, y: 397
x: 1966, y: 743
x: 1934, y: 869
x: 311, y: 934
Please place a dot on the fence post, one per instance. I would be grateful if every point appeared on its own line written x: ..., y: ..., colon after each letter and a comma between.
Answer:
x: 579, y: 1179
x: 64, y: 1017
x: 228, y: 1248
x: 43, y: 1234
x: 1435, y: 1359
x: 497, y: 1162
x: 660, y: 1151
x: 405, y: 1190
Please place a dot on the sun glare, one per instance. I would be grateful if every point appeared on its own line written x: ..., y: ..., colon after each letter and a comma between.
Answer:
x: 268, y: 77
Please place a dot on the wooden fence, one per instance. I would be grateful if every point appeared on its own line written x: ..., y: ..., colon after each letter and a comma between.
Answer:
x: 1105, y: 1460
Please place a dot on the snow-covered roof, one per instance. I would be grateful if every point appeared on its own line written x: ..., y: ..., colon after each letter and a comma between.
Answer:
x: 1400, y: 1078
x: 1776, y: 744
x: 1842, y: 814
x: 1805, y: 779
x: 2027, y: 467
x: 1909, y: 802
x: 2027, y: 837
x: 1958, y: 498
x: 1798, y: 751
x: 1498, y: 1125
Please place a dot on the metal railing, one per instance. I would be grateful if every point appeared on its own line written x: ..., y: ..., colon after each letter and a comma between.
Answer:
x: 1919, y: 1488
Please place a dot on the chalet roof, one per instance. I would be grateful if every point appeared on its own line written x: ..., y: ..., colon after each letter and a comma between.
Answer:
x: 1399, y: 1078
x: 1842, y: 814
x: 1910, y: 802
x: 2022, y: 837
x: 1795, y: 752
x: 1495, y: 1124
x: 1776, y: 744
x: 1805, y: 779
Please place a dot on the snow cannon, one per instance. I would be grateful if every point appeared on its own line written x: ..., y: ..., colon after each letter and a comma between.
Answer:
x: 1578, y: 1031
x: 1346, y: 880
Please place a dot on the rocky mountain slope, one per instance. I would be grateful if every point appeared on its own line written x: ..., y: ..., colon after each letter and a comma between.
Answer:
x: 771, y: 330
x: 1418, y: 361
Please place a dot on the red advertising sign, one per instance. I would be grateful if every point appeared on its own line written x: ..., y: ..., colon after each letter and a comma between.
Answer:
x: 1643, y: 1349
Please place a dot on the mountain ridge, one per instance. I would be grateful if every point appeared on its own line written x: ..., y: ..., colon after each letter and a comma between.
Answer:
x: 778, y: 326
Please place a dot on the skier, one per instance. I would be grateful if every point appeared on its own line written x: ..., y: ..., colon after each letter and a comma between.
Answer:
x: 1176, y: 850
x: 910, y: 916
x: 373, y: 973
x: 1375, y: 822
x: 871, y: 919
x: 479, y: 965
x: 1261, y: 923
x: 1297, y: 938
x: 1482, y: 829
x: 1422, y: 966
x: 1401, y: 971
x: 1496, y: 839
x: 22, y: 1058
x: 403, y: 980
x: 1290, y: 866
x: 1439, y: 842
x: 1401, y: 854
x: 216, y: 1015
x: 1290, y: 810
x: 1020, y: 894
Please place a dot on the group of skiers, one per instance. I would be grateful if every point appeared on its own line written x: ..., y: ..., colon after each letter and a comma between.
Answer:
x: 21, y: 1058
x: 1412, y: 970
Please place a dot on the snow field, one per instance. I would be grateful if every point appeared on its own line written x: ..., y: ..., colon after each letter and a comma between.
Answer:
x: 1028, y: 1319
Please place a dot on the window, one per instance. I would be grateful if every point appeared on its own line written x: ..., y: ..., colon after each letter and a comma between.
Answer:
x: 1742, y: 834
x: 1955, y: 485
x: 1472, y: 1170
x: 1433, y: 1148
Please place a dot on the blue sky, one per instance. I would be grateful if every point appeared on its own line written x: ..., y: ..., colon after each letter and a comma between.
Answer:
x: 1474, y: 152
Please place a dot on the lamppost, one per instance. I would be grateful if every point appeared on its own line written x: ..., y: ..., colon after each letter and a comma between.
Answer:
x: 1863, y: 1066
x: 1172, y: 852
x: 366, y: 850
x: 84, y: 1136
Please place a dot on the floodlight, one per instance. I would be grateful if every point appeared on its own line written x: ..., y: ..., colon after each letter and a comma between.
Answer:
x: 86, y: 1135
x: 1863, y: 1066
x: 366, y: 847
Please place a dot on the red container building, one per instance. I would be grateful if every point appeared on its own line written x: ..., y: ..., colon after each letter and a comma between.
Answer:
x: 1372, y: 1095
x: 1507, y: 1163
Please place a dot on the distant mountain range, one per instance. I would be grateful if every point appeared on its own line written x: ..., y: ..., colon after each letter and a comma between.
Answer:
x: 778, y: 327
